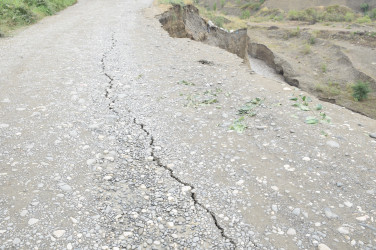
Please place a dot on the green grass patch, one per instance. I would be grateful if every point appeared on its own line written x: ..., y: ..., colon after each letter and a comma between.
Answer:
x: 333, y: 13
x: 360, y: 91
x: 16, y: 13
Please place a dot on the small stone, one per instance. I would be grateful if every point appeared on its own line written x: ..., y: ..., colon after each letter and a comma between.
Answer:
x: 74, y: 220
x: 362, y: 218
x: 372, y: 135
x: 323, y: 247
x: 170, y: 224
x: 3, y: 125
x: 91, y: 162
x: 240, y: 182
x: 339, y: 184
x: 186, y: 189
x: 332, y: 144
x: 348, y: 204
x: 275, y: 188
x: 32, y: 221
x: 291, y: 231
x: 65, y: 187
x: 127, y: 234
x: 58, y: 233
x: 69, y: 246
x: 275, y: 208
x: 296, y: 211
x: 16, y: 241
x: 196, y: 239
x: 371, y: 191
x: 306, y: 158
x: 343, y: 230
x: 107, y: 178
x: 329, y: 214
x: 24, y: 213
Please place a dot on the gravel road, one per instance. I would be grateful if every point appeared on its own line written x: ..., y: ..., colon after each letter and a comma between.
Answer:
x: 114, y: 136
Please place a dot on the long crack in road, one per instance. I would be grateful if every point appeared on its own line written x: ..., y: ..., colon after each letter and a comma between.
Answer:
x: 113, y: 135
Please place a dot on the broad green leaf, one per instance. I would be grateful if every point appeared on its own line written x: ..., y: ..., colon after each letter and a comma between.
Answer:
x: 304, y: 108
x: 319, y: 107
x: 311, y: 120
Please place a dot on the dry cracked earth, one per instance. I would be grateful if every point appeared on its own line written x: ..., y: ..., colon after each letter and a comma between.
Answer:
x: 114, y: 136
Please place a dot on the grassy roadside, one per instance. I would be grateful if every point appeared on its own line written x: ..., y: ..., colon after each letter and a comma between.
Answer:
x: 235, y: 14
x: 18, y: 13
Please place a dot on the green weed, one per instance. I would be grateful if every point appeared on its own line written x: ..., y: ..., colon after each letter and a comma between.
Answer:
x: 360, y: 91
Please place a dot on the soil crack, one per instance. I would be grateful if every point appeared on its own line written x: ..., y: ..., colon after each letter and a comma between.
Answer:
x: 110, y: 83
x: 158, y: 161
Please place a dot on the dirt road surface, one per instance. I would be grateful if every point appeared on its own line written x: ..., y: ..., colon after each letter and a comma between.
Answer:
x: 113, y: 136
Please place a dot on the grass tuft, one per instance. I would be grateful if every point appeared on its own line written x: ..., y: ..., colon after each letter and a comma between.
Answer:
x: 17, y: 13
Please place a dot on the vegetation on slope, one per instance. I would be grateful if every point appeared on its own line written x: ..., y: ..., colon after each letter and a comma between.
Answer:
x: 17, y: 13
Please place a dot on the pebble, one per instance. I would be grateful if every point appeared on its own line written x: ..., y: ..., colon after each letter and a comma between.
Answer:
x: 362, y: 218
x: 186, y: 189
x: 343, y: 230
x: 323, y: 247
x: 32, y: 221
x: 329, y: 214
x: 16, y: 241
x: 332, y: 144
x: 372, y: 135
x: 107, y: 178
x: 58, y: 233
x: 69, y: 246
x: 23, y: 213
x: 291, y: 231
x: 4, y: 125
x: 91, y: 162
x: 127, y: 234
x: 275, y: 188
x: 296, y: 211
x: 65, y: 187
x: 306, y: 158
x: 348, y: 204
x: 240, y: 182
x: 275, y: 208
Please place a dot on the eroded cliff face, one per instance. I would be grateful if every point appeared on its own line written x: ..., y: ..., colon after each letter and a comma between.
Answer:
x: 185, y: 22
x: 283, y: 54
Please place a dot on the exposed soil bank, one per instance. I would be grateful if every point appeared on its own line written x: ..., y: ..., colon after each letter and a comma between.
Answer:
x: 185, y: 22
x: 313, y: 64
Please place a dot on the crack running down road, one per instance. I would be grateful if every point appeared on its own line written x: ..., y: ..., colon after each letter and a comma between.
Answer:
x: 114, y: 136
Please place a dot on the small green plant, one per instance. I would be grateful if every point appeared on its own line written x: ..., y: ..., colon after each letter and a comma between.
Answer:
x: 219, y: 21
x: 365, y: 19
x: 223, y: 2
x: 215, y: 6
x: 245, y: 14
x: 312, y: 40
x: 360, y: 90
x: 372, y: 13
x: 364, y: 7
x: 249, y: 107
x: 303, y: 103
x: 187, y: 83
x: 295, y: 32
x: 324, y: 68
x: 239, y: 125
x: 306, y: 49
